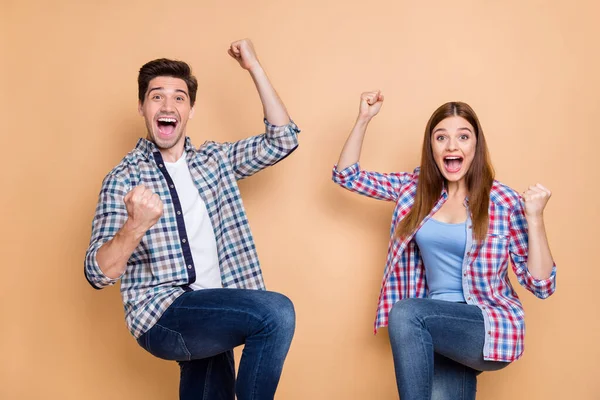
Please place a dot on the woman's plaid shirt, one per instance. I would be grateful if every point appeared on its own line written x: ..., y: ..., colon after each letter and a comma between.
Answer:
x: 485, y: 278
x: 161, y: 267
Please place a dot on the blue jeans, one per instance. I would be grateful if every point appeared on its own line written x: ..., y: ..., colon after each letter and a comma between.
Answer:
x: 200, y: 330
x: 438, y: 349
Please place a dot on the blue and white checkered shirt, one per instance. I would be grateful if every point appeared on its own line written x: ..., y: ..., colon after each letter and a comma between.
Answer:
x: 161, y: 267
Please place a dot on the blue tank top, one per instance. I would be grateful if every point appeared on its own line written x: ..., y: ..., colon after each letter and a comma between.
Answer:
x: 442, y: 248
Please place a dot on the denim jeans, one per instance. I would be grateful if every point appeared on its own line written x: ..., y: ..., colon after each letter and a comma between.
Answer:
x: 200, y: 330
x: 438, y: 349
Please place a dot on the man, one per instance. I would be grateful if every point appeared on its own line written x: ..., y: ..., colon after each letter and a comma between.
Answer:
x: 171, y: 225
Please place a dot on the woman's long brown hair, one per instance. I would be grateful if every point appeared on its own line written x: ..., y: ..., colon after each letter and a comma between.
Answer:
x: 479, y: 177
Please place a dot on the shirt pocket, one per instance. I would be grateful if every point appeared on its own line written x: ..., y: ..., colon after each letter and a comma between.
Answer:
x: 493, y: 254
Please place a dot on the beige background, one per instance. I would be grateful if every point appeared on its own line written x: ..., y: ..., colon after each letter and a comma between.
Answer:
x: 68, y: 111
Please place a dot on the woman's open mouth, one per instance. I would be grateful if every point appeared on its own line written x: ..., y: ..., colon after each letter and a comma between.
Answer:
x: 453, y: 164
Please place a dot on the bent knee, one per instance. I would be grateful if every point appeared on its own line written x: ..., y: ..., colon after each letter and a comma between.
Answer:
x: 405, y: 315
x: 280, y: 312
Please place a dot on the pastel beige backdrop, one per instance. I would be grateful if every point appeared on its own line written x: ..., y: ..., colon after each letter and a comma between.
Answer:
x: 68, y: 110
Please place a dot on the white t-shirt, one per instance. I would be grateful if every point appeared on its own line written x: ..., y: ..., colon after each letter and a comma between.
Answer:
x: 200, y: 232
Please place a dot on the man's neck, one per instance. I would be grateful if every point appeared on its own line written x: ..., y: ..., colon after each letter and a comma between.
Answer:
x: 173, y: 154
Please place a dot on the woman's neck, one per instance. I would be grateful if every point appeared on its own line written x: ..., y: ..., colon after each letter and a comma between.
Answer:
x: 457, y: 189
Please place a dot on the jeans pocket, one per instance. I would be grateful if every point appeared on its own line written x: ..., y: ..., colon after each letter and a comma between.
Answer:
x: 165, y: 343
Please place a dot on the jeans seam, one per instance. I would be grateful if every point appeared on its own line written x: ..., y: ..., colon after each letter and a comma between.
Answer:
x: 451, y: 317
x: 257, y: 316
x: 425, y: 352
x: 256, y: 374
x: 180, y: 340
x: 464, y: 379
x: 207, y: 380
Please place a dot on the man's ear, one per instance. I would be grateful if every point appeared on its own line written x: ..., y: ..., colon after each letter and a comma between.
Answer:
x: 192, y: 110
x: 140, y: 108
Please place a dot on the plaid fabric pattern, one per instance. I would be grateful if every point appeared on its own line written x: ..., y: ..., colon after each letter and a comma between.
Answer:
x: 485, y: 279
x: 160, y: 269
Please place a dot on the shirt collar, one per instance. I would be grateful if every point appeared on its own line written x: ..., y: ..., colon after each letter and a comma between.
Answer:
x: 444, y: 194
x: 147, y: 148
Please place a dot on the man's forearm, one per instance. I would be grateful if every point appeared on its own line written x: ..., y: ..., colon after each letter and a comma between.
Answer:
x: 112, y: 257
x: 352, y: 148
x: 273, y: 108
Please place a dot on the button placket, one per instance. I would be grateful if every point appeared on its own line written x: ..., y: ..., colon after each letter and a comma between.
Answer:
x: 466, y: 260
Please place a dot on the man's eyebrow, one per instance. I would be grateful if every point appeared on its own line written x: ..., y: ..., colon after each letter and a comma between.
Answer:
x: 155, y: 88
x: 162, y: 88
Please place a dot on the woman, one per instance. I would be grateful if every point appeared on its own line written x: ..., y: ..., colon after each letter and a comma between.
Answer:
x: 446, y: 296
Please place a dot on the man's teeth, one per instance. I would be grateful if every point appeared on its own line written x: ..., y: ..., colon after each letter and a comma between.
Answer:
x: 173, y: 120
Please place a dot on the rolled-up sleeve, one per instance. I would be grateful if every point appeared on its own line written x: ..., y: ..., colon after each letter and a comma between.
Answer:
x: 381, y: 186
x: 518, y: 248
x: 248, y: 156
x: 110, y: 216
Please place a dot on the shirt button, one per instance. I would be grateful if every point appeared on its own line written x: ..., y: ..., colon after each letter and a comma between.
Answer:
x: 468, y: 253
x: 172, y: 186
x: 489, y: 332
x: 189, y: 267
x: 470, y: 226
x: 465, y: 274
x: 483, y: 307
x: 183, y: 240
x: 469, y: 298
x: 178, y: 212
x: 160, y: 165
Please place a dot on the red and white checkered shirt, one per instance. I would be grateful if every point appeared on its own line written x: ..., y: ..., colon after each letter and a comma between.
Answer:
x: 485, y: 279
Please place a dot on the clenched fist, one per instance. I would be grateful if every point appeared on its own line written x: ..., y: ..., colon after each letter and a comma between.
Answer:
x: 144, y: 208
x: 370, y: 104
x: 535, y: 199
x: 243, y: 52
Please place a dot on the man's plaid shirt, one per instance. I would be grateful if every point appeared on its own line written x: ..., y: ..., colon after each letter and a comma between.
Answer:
x: 161, y: 267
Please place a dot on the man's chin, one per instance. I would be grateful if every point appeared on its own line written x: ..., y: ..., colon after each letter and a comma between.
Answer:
x: 166, y: 143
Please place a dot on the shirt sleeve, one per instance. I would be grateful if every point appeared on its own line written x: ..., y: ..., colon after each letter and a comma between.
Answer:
x: 248, y: 156
x: 518, y: 248
x: 110, y: 216
x: 381, y: 186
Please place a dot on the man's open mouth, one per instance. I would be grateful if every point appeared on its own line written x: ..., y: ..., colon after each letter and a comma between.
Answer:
x: 166, y: 125
x: 453, y: 163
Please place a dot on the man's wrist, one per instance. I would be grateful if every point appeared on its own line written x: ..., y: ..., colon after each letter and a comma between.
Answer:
x: 131, y: 231
x: 363, y: 120
x: 256, y: 69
